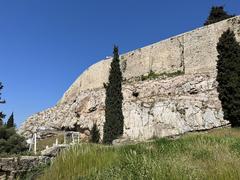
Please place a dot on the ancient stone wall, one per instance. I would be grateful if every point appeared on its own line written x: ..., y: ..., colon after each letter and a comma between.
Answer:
x: 182, y: 98
x: 191, y: 52
x: 14, y: 167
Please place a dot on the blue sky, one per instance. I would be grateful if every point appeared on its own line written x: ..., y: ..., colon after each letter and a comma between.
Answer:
x: 46, y: 44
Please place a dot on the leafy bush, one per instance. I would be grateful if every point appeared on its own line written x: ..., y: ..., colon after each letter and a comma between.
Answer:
x: 11, y: 142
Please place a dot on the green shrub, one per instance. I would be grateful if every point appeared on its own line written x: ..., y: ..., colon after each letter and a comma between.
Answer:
x: 153, y: 75
x: 11, y: 142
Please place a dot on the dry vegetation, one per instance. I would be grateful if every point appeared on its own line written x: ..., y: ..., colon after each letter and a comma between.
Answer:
x: 212, y: 155
x: 41, y: 144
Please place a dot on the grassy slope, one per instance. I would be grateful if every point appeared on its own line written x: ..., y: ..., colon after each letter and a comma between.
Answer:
x: 213, y: 155
x: 41, y: 144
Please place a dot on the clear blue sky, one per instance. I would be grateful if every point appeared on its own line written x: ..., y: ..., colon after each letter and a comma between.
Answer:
x: 46, y: 44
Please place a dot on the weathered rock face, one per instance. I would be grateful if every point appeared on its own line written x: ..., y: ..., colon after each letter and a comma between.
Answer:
x: 165, y: 106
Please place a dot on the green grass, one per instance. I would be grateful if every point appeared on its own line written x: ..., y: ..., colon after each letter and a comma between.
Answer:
x: 41, y: 144
x: 212, y: 155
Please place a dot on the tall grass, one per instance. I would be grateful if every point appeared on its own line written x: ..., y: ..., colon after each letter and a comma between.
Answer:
x: 41, y: 144
x: 215, y: 155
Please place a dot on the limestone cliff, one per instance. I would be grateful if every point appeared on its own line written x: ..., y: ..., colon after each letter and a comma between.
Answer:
x: 182, y: 98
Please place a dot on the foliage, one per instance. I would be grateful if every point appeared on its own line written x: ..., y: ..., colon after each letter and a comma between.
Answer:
x: 217, y: 14
x: 81, y: 160
x: 34, y: 173
x: 10, y: 141
x: 113, y: 127
x: 49, y: 141
x: 95, y: 135
x: 228, y: 76
x: 215, y: 155
x: 2, y: 116
x: 152, y: 75
x: 10, y: 121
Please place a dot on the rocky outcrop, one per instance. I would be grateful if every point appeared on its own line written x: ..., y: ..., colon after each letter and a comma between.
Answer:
x: 163, y: 107
x: 182, y: 98
x: 11, y: 168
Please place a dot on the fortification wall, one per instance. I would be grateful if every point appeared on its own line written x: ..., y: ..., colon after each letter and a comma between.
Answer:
x: 165, y: 106
x: 191, y: 52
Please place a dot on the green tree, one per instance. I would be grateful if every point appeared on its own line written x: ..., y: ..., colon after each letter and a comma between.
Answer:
x: 11, y: 142
x: 217, y: 14
x: 95, y: 135
x: 10, y: 121
x: 2, y: 116
x: 228, y: 76
x: 113, y: 126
